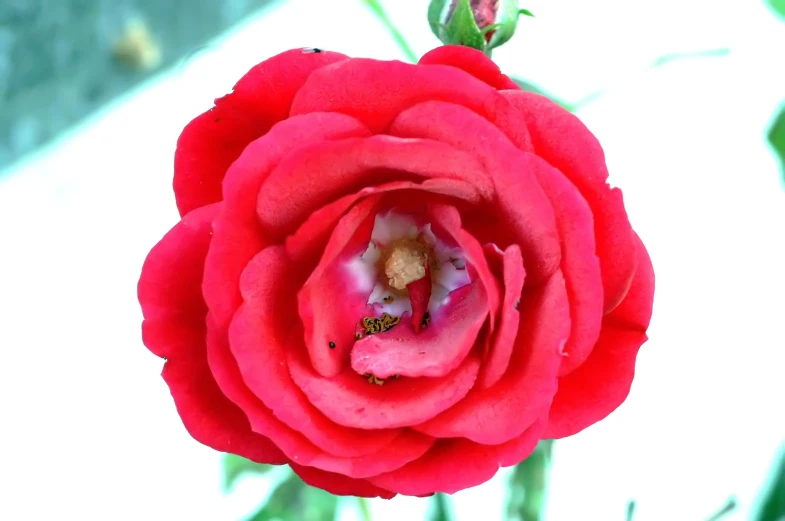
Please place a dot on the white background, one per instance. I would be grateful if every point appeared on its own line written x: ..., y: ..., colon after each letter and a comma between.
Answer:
x: 89, y: 430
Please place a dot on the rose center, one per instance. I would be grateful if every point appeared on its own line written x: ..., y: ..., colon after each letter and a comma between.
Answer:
x: 402, y: 252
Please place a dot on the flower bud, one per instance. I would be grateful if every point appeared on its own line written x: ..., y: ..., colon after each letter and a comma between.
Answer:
x: 480, y: 24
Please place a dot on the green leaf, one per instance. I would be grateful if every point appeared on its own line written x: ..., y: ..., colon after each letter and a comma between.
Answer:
x: 528, y: 485
x: 774, y: 504
x: 778, y: 6
x: 525, y: 12
x: 440, y: 508
x: 293, y: 500
x: 235, y: 466
x: 776, y: 137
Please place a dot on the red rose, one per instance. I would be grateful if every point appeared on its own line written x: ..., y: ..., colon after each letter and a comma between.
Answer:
x: 395, y: 278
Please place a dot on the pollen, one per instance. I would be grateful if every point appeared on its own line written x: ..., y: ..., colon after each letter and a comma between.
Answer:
x: 405, y: 264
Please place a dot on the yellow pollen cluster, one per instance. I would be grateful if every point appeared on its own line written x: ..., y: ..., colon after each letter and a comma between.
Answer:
x: 404, y: 265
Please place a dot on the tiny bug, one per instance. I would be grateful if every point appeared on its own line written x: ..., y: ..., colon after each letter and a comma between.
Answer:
x: 311, y: 50
x: 332, y: 345
x: 388, y: 299
x: 426, y: 319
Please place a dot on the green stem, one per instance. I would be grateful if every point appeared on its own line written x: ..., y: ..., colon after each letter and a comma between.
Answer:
x: 365, y: 509
x: 378, y: 10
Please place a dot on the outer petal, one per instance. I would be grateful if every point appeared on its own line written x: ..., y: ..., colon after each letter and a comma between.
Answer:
x: 563, y: 141
x: 237, y: 235
x: 212, y: 141
x: 602, y: 383
x: 259, y: 336
x: 579, y: 264
x: 456, y: 464
x: 322, y: 172
x: 472, y: 61
x: 338, y: 484
x: 335, y: 453
x: 174, y: 328
x: 375, y: 92
x: 524, y: 214
x: 523, y: 395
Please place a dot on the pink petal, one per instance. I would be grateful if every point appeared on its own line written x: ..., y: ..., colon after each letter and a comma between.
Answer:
x: 448, y: 219
x: 237, y: 237
x: 602, y: 383
x: 579, y: 264
x: 338, y: 484
x: 322, y: 172
x: 523, y: 395
x: 327, y: 446
x: 456, y: 464
x: 375, y: 92
x: 310, y: 238
x: 564, y: 141
x: 523, y: 214
x: 500, y: 352
x: 348, y: 399
x: 174, y: 328
x: 213, y: 140
x: 259, y: 337
x: 435, y: 351
x: 470, y: 60
x: 329, y: 305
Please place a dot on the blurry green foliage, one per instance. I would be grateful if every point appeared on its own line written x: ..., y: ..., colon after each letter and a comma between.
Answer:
x: 235, y: 466
x: 778, y: 6
x: 777, y: 137
x: 293, y: 500
x: 528, y: 484
x: 773, y: 508
x: 440, y: 509
x: 290, y: 500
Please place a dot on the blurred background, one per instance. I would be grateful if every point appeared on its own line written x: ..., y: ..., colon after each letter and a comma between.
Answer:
x: 684, y: 96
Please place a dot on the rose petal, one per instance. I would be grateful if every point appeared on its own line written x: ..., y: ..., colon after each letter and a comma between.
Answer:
x: 502, y: 412
x: 500, y: 352
x: 579, y: 264
x: 174, y: 328
x: 375, y: 92
x: 435, y: 351
x: 348, y: 399
x: 322, y: 172
x: 564, y: 141
x: 456, y: 464
x: 334, y: 452
x: 312, y: 235
x: 237, y: 237
x: 330, y: 304
x: 525, y: 215
x: 602, y: 383
x: 213, y: 140
x: 473, y: 61
x: 448, y: 219
x: 258, y: 338
x: 338, y: 484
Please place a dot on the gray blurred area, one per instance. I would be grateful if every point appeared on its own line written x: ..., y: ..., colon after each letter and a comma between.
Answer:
x: 60, y: 60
